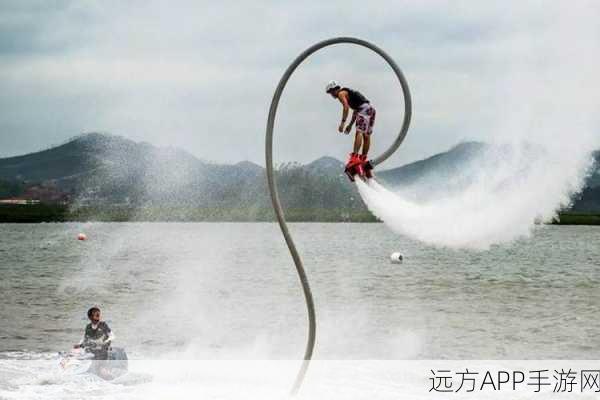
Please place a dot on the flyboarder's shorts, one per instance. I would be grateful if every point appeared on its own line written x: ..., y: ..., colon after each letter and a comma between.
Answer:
x: 365, y: 119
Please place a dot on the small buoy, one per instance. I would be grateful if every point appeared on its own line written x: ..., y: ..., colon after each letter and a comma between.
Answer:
x: 396, y: 258
x: 81, y: 236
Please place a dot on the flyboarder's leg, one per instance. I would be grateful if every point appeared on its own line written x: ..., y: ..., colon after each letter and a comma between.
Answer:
x: 358, y: 141
x: 353, y: 166
x: 366, y: 144
x: 367, y: 166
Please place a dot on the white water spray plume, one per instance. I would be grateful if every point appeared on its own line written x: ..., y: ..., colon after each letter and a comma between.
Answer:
x: 546, y: 129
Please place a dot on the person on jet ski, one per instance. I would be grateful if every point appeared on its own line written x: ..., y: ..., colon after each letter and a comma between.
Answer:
x: 97, y: 337
x: 108, y: 362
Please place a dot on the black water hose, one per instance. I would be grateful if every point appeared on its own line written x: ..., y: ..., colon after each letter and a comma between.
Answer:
x: 312, y: 323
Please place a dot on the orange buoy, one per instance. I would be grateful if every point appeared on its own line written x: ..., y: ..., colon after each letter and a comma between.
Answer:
x: 81, y: 236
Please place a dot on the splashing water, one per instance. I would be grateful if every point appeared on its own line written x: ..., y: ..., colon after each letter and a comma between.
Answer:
x: 493, y: 208
x: 495, y: 197
x: 546, y: 129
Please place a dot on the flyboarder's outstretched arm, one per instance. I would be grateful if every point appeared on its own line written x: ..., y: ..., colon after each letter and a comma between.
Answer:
x: 352, y: 120
x: 343, y: 98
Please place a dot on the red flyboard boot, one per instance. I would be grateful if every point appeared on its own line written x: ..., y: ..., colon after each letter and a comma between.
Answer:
x: 366, y: 166
x: 351, y: 166
x: 360, y: 170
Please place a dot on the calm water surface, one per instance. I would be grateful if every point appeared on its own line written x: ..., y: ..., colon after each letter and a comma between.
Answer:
x: 229, y: 291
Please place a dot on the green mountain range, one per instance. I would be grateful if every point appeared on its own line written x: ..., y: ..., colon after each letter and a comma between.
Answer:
x: 109, y: 177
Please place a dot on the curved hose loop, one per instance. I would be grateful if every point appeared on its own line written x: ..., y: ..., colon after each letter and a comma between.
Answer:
x: 312, y: 325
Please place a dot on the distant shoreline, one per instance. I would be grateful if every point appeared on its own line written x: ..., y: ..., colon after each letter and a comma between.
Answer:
x: 38, y: 213
x: 577, y: 218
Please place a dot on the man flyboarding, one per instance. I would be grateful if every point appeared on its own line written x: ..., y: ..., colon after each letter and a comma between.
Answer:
x: 363, y: 113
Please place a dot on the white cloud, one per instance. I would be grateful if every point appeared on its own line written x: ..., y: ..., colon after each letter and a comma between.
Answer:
x: 200, y: 75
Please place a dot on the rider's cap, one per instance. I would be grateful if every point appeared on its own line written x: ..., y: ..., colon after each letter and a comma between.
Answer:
x: 331, y: 85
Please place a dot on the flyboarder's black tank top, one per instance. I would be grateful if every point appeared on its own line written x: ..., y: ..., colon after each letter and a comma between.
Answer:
x: 355, y: 98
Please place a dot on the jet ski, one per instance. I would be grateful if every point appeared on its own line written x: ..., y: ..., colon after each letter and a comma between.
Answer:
x: 111, y: 365
x: 75, y: 361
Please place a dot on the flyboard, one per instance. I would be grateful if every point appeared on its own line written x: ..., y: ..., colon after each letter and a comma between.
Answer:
x: 358, y: 167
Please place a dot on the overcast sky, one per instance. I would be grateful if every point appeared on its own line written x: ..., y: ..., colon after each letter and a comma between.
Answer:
x: 200, y: 75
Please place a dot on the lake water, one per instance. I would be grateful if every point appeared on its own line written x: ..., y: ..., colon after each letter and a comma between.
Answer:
x: 228, y: 291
